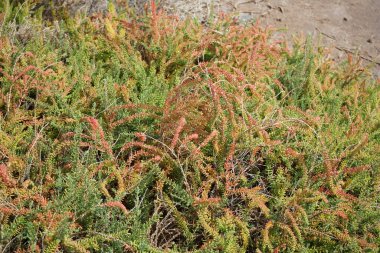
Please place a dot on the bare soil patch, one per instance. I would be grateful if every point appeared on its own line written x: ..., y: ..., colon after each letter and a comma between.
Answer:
x: 348, y: 26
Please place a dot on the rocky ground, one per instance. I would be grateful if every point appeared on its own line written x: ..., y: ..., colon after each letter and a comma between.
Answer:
x: 348, y: 26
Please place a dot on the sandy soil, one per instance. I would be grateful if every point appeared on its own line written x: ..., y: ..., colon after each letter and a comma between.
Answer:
x: 345, y: 25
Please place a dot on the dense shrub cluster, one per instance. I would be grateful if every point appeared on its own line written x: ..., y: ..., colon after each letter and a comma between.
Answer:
x: 124, y: 133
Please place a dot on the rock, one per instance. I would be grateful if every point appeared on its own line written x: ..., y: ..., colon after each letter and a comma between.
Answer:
x: 245, y: 17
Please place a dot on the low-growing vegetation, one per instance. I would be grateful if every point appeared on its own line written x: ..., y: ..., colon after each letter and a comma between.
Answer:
x: 127, y: 133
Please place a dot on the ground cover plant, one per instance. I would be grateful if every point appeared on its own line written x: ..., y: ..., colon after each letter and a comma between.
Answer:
x: 125, y: 133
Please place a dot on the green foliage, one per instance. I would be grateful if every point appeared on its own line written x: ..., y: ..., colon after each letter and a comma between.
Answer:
x: 124, y: 133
